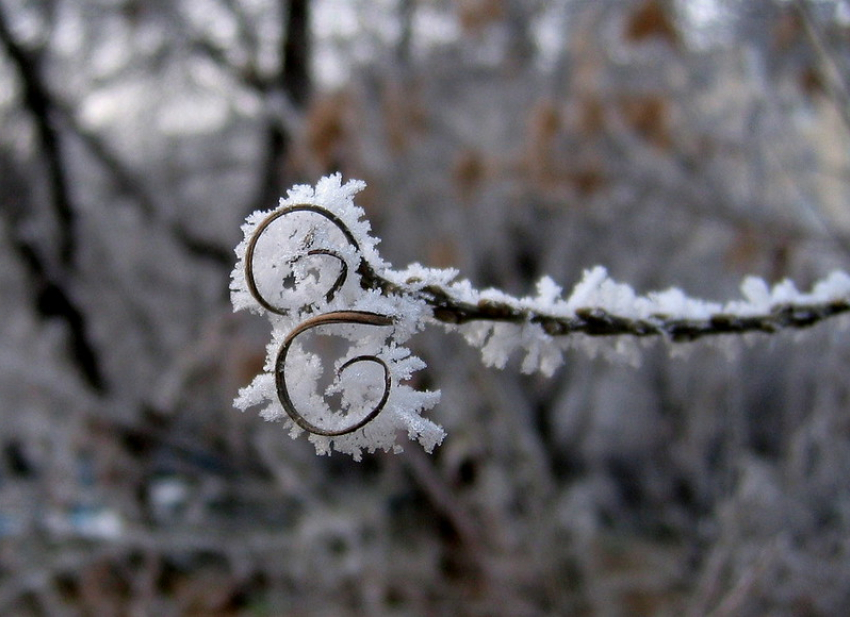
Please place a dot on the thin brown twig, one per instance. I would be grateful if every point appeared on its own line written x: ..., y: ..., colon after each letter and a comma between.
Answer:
x: 596, y: 321
x: 592, y: 321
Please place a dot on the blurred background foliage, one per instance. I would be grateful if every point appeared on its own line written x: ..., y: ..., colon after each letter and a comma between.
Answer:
x: 675, y: 142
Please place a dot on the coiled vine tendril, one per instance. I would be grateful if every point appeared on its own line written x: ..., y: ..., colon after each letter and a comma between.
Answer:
x: 335, y: 317
x: 266, y: 224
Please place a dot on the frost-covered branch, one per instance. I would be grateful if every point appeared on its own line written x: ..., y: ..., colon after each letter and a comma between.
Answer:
x: 312, y: 264
x: 763, y: 311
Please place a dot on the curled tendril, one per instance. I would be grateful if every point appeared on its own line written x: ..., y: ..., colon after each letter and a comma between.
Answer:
x: 336, y: 317
x: 267, y: 222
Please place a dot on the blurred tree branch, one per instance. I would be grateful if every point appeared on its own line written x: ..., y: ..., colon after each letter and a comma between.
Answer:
x: 828, y: 67
x: 37, y: 101
x: 49, y: 277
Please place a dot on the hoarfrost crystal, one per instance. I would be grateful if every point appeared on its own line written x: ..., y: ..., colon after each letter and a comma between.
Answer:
x: 301, y: 264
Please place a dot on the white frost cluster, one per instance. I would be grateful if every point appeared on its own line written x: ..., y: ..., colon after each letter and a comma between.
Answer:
x: 298, y: 260
x: 597, y: 290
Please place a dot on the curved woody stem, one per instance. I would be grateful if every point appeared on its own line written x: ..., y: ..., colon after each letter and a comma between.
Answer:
x: 336, y: 317
x: 447, y: 307
x: 592, y: 321
x: 267, y: 222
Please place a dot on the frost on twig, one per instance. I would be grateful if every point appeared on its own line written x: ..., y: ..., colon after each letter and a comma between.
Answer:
x: 312, y: 267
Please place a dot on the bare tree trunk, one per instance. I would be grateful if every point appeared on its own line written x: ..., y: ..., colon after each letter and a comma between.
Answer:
x: 49, y: 273
x: 296, y: 84
x: 295, y: 76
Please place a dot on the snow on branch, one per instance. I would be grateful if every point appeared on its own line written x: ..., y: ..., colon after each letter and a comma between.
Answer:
x: 312, y: 266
